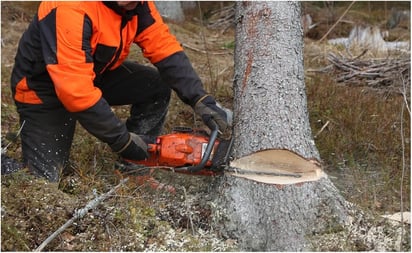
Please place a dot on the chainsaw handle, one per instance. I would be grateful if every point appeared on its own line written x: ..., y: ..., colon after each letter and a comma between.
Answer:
x: 213, y: 135
x: 151, y: 147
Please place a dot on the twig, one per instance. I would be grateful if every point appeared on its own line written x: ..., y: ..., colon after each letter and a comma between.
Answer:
x: 402, y: 177
x: 203, y: 51
x: 321, y: 130
x: 324, y: 69
x: 336, y: 23
x: 80, y: 213
x: 106, y: 225
x: 404, y: 94
x: 188, y: 211
x: 202, y: 32
x: 4, y: 150
x: 360, y: 55
x: 403, y: 172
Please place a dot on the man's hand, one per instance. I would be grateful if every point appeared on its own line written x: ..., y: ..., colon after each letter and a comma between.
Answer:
x: 208, y: 110
x: 134, y: 149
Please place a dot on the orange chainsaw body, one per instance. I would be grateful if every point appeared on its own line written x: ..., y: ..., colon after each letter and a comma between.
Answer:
x: 179, y: 149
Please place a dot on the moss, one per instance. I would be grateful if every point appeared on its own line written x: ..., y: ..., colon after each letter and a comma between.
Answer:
x: 13, y: 238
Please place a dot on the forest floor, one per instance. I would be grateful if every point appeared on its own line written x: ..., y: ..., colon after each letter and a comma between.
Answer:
x: 361, y: 147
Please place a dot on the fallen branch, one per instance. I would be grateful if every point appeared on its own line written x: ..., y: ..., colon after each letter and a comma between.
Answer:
x: 80, y: 213
x: 383, y: 74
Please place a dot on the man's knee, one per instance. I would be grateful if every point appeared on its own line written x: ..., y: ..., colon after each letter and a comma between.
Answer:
x: 46, y: 145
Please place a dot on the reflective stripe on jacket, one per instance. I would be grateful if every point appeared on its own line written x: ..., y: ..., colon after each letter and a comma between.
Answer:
x: 68, y: 44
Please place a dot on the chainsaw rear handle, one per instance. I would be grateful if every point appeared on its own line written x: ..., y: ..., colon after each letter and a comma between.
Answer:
x: 213, y: 135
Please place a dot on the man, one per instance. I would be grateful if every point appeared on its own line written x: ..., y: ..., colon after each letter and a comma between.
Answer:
x: 70, y: 66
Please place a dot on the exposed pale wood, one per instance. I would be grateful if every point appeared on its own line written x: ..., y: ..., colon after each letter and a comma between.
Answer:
x: 277, y: 167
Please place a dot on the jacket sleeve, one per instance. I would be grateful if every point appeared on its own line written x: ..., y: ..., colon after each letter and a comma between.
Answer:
x: 165, y: 52
x: 178, y: 72
x: 100, y: 121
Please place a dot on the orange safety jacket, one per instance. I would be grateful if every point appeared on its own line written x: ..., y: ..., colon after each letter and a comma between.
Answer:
x: 73, y: 42
x: 69, y: 44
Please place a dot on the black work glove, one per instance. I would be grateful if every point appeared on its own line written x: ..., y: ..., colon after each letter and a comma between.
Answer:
x: 134, y: 149
x: 207, y: 108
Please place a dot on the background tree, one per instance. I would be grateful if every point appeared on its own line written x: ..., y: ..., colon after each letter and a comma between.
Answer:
x: 171, y: 10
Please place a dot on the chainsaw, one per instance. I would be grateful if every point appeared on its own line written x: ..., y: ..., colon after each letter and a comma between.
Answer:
x: 187, y: 150
x: 194, y: 152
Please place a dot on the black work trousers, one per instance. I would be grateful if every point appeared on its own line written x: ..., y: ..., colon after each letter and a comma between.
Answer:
x: 48, y: 130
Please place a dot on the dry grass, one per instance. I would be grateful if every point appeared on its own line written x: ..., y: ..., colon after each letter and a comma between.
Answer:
x: 361, y: 144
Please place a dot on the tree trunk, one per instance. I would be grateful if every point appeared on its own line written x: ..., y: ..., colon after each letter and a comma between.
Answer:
x: 171, y: 10
x: 275, y: 196
x: 270, y: 97
x: 271, y: 116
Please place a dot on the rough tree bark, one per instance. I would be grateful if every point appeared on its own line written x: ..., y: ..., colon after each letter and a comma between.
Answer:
x: 271, y: 115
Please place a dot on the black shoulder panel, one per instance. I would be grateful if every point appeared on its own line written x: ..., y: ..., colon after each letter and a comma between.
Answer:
x: 144, y: 17
x: 48, y: 37
x: 86, y: 37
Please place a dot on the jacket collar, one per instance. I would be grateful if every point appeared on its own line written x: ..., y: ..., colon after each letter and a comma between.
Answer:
x: 126, y: 15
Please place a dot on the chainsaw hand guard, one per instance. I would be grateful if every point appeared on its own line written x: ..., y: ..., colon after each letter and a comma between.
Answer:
x: 213, y: 135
